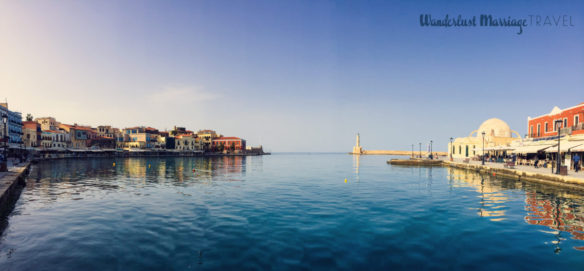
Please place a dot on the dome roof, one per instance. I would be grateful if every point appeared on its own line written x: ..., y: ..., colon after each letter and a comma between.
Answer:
x: 494, y: 127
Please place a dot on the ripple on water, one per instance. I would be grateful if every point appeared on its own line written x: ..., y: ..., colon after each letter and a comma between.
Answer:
x: 292, y: 212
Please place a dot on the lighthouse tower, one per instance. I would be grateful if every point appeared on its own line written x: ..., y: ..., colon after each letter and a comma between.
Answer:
x: 357, y: 148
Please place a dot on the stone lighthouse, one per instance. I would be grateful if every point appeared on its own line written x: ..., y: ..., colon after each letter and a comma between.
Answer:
x: 357, y: 148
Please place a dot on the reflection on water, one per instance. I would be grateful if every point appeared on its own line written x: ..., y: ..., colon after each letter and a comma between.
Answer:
x: 559, y: 213
x: 52, y: 180
x: 286, y: 212
x: 556, y: 208
x: 492, y: 199
x: 356, y: 160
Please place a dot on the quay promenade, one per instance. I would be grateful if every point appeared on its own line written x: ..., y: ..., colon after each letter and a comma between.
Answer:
x: 522, y: 173
x: 573, y: 180
x: 11, y: 184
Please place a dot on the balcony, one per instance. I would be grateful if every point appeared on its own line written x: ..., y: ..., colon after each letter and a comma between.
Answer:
x: 566, y: 131
x: 578, y: 127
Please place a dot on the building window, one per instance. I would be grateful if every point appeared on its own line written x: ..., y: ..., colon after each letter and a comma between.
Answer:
x: 576, y: 120
x: 565, y: 122
x: 546, y: 127
x: 538, y: 129
x: 531, y: 130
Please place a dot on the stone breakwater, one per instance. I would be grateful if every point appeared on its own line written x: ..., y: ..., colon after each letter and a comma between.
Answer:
x: 509, y: 173
x: 415, y: 162
x: 402, y: 153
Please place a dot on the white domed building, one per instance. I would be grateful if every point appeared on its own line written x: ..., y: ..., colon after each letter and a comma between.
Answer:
x: 497, y: 137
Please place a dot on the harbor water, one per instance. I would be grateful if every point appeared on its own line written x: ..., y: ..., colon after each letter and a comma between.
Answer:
x: 286, y: 212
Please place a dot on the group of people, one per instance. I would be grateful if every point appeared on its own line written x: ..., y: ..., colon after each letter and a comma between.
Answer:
x: 537, y: 165
x: 575, y: 162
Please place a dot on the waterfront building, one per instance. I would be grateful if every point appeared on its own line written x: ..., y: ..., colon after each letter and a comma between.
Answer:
x: 140, y: 137
x: 80, y: 136
x: 206, y: 138
x: 234, y: 144
x: 55, y: 139
x: 46, y: 140
x: 14, y: 126
x: 178, y: 131
x: 120, y: 138
x: 103, y: 142
x: 48, y: 123
x: 544, y: 126
x: 31, y: 134
x: 497, y: 140
x: 185, y: 142
x: 169, y: 141
x: 105, y: 131
x: 542, y: 138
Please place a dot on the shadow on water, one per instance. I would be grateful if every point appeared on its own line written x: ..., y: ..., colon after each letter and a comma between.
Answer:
x: 558, y: 209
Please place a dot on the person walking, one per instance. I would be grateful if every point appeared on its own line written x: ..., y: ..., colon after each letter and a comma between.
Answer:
x: 536, y: 161
x: 576, y: 162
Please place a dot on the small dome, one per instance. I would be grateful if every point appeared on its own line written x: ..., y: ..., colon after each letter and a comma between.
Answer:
x: 494, y: 127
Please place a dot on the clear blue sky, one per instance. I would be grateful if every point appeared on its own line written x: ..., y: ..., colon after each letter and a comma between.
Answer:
x: 291, y: 75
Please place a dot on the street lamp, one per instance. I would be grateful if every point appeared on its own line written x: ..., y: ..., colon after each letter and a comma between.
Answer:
x: 5, y: 162
x: 420, y: 150
x: 558, y: 163
x: 451, y: 148
x: 431, y: 156
x: 483, y: 133
x: 412, y: 150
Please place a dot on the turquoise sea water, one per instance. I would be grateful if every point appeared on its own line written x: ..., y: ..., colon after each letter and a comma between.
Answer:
x: 286, y: 212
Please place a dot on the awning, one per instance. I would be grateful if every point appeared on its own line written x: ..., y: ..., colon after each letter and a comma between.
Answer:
x: 565, y: 146
x: 531, y: 148
x: 499, y: 148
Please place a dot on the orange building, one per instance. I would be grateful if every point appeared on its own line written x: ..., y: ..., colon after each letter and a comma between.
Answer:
x: 31, y: 134
x: 228, y: 143
x: 543, y: 126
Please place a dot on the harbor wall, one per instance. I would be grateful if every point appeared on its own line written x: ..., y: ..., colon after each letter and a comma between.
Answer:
x: 509, y: 173
x: 11, y: 185
x: 520, y: 175
x: 50, y: 155
x: 402, y: 153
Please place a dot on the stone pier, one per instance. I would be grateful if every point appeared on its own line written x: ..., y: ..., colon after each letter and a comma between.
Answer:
x: 11, y: 184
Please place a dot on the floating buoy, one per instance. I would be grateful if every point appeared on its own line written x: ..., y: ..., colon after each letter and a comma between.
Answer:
x: 148, y: 165
x: 345, y: 180
x: 493, y: 173
x: 193, y: 170
x: 114, y: 164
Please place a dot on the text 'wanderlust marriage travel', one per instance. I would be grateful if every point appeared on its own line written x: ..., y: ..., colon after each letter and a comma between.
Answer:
x: 492, y: 21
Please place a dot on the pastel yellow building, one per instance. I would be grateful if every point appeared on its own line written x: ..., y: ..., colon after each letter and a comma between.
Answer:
x: 48, y: 123
x: 184, y: 142
x: 497, y: 136
x: 206, y: 138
